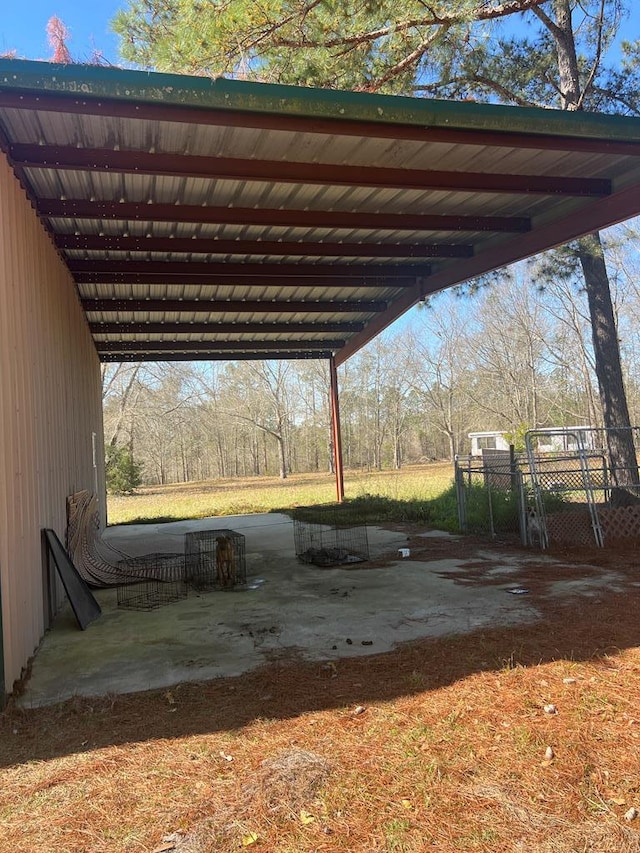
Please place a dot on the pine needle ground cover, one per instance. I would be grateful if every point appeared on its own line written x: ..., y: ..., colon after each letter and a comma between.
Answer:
x: 509, y: 739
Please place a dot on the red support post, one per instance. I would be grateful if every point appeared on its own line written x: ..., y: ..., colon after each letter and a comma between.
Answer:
x: 335, y: 429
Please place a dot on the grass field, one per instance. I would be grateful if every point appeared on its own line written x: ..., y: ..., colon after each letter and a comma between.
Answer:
x: 266, y: 494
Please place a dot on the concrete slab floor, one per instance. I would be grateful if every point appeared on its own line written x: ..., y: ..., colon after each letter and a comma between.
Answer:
x: 294, y: 608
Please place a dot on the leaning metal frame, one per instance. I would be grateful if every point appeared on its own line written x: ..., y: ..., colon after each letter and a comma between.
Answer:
x: 587, y: 484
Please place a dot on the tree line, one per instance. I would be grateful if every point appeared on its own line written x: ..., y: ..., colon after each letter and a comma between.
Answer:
x: 514, y: 354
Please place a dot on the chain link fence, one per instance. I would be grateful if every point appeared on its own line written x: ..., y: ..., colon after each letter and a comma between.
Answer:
x: 490, y: 494
x: 564, y: 490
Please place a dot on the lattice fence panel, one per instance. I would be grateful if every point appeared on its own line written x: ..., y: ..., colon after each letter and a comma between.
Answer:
x: 620, y: 522
x: 571, y: 528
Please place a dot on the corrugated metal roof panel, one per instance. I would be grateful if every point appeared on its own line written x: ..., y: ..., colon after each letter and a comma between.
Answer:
x: 250, y: 143
x: 492, y: 157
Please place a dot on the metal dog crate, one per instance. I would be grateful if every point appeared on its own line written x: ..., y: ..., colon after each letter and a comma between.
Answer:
x: 151, y: 581
x: 330, y: 545
x: 215, y: 559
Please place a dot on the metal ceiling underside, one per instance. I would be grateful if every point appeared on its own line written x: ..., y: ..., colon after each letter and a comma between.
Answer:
x: 218, y: 219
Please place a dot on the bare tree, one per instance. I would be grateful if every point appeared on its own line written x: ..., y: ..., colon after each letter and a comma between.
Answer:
x: 438, y: 372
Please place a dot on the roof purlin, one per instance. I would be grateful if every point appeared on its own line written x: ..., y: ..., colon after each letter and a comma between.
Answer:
x: 212, y: 215
x: 169, y: 269
x: 135, y: 280
x: 273, y: 248
x: 215, y: 355
x: 122, y: 327
x: 219, y: 346
x: 327, y: 174
x: 235, y: 306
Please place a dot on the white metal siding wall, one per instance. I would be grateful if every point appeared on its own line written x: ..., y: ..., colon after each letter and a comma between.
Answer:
x: 50, y: 403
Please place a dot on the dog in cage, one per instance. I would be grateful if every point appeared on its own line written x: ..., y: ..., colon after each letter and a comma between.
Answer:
x: 534, y: 527
x: 225, y: 562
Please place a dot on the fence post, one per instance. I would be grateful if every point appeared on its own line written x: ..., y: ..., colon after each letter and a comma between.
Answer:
x: 513, y: 467
x: 460, y: 496
x: 487, y: 480
x: 605, y: 480
x: 524, y: 535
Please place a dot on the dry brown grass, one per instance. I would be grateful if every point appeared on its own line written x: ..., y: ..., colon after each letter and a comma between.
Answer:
x: 448, y: 753
x: 233, y: 496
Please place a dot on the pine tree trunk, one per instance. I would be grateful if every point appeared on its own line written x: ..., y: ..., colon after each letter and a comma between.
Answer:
x: 615, y: 410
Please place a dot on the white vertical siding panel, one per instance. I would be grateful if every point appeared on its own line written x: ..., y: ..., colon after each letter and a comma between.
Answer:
x: 50, y: 403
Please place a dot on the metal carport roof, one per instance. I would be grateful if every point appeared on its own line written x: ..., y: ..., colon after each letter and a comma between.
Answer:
x: 217, y: 219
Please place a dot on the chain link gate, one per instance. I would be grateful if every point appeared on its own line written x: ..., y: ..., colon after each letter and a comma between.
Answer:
x: 584, y: 497
x: 564, y: 490
x: 490, y: 494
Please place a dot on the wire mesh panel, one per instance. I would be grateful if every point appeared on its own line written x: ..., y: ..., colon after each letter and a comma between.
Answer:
x: 560, y: 488
x: 330, y: 545
x: 489, y: 495
x: 151, y: 581
x: 215, y: 559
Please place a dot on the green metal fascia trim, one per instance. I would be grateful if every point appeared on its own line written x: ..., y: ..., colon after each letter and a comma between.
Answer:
x: 92, y: 81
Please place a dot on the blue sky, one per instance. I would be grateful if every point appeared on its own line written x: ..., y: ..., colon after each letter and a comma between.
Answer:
x: 23, y: 27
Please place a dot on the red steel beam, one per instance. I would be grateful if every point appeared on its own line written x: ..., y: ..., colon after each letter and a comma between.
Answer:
x: 336, y: 432
x: 236, y: 306
x: 91, y: 106
x: 201, y: 246
x: 28, y: 155
x: 141, y: 211
x: 216, y: 328
x: 213, y: 356
x: 232, y: 269
x: 218, y: 346
x: 324, y: 282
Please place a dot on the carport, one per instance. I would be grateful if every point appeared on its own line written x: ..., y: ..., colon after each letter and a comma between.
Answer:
x: 151, y: 217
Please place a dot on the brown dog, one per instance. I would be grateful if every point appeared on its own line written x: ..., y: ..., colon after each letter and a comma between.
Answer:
x: 225, y: 562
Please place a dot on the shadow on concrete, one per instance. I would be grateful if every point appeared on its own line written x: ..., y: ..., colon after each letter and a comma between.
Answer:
x: 593, y: 614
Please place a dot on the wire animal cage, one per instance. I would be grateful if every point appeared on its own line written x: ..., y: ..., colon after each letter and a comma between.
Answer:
x: 151, y: 581
x: 327, y: 545
x: 215, y: 559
